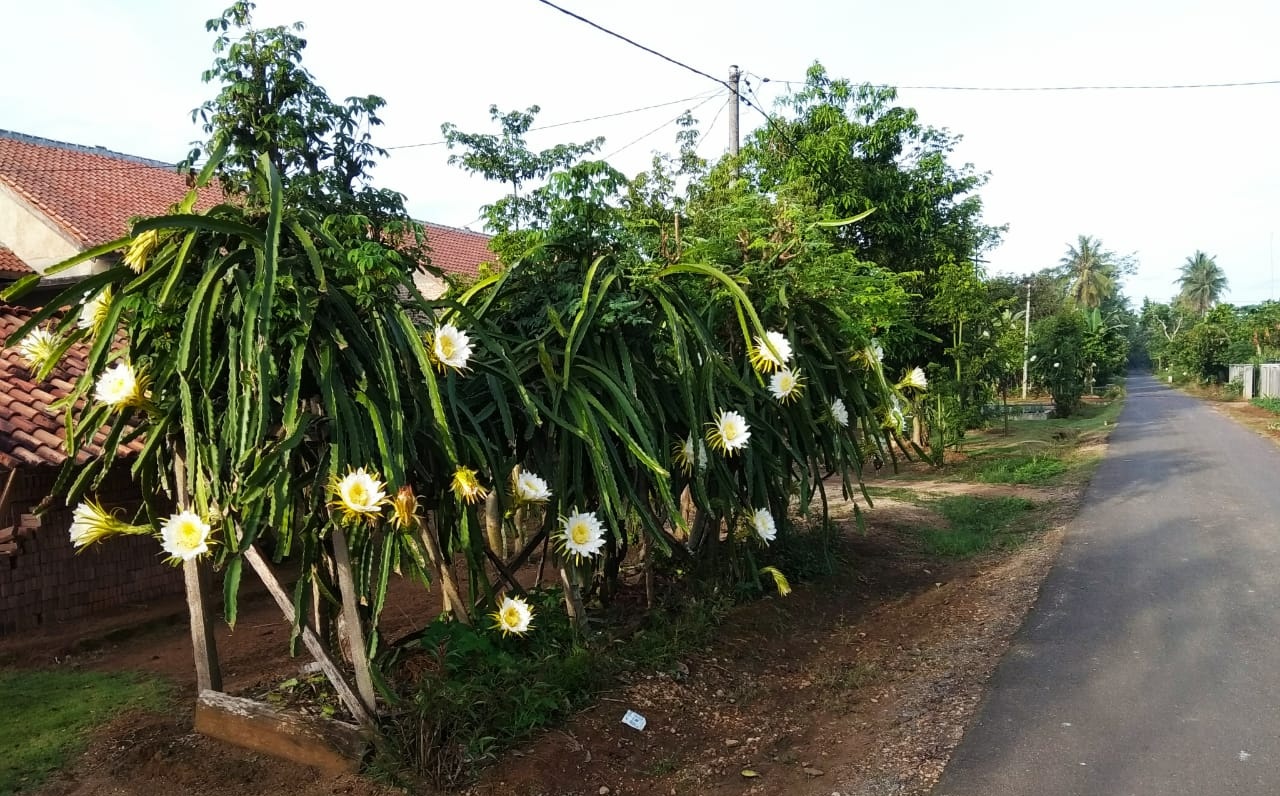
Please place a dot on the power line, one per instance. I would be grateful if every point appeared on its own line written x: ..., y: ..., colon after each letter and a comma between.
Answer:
x: 567, y: 124
x: 772, y: 123
x: 714, y: 119
x: 1150, y: 87
x: 173, y: 169
x: 634, y: 43
x: 661, y: 127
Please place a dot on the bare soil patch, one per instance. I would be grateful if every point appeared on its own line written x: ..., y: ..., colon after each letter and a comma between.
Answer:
x: 1255, y: 418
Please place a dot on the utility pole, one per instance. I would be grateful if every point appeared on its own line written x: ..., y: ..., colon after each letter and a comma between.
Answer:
x: 1026, y: 340
x: 735, y: 100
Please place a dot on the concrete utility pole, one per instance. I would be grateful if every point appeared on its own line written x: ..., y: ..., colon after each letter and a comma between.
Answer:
x: 1026, y: 340
x: 734, y: 77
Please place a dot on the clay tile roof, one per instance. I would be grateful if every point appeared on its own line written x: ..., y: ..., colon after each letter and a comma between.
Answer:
x: 29, y: 433
x: 458, y: 251
x: 10, y: 266
x: 93, y: 192
x: 90, y: 191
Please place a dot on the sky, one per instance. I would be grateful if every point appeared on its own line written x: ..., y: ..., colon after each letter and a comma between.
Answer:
x: 1158, y: 174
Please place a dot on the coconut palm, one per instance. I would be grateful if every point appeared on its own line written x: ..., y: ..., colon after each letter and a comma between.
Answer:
x: 1202, y: 281
x: 1090, y: 271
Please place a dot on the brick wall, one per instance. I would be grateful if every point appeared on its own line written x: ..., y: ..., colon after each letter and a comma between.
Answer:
x: 43, y: 580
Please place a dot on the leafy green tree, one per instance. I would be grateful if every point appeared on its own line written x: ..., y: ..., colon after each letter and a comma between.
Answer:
x: 269, y: 104
x: 850, y: 149
x: 505, y: 157
x: 1201, y: 283
x: 960, y: 296
x: 1261, y: 322
x: 1106, y: 345
x: 1060, y: 365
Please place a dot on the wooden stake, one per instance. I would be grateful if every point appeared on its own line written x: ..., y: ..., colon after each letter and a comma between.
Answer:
x: 195, y: 575
x: 646, y: 566
x: 573, y: 601
x: 493, y: 525
x: 208, y: 674
x: 352, y: 702
x: 353, y: 626
x: 443, y: 573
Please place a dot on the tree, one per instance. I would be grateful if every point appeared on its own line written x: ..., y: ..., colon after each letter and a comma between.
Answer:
x: 270, y: 105
x: 505, y: 157
x: 961, y: 296
x: 1060, y: 364
x: 1202, y: 283
x: 1090, y: 271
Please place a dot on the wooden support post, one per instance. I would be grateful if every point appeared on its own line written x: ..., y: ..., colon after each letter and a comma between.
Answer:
x: 351, y: 621
x: 453, y: 601
x: 573, y: 600
x: 196, y: 576
x: 309, y: 638
x: 203, y: 644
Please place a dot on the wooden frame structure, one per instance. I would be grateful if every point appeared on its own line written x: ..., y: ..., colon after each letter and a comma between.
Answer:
x: 332, y: 746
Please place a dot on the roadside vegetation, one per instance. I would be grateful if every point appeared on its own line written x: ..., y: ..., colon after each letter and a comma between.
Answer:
x: 666, y: 395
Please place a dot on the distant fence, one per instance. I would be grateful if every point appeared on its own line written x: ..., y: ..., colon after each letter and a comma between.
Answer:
x: 1269, y: 384
x: 1244, y: 375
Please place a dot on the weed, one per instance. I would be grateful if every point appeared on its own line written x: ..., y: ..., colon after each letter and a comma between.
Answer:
x: 48, y: 715
x: 663, y: 766
x: 849, y: 677
x: 1036, y: 469
x: 894, y: 493
x: 472, y: 693
x: 1272, y: 405
x: 977, y: 524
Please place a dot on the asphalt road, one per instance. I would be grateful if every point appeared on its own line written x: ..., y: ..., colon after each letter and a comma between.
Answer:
x: 1150, y: 665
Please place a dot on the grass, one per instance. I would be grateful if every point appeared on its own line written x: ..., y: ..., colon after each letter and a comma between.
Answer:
x: 470, y: 694
x: 849, y: 677
x: 895, y: 493
x: 49, y: 714
x: 977, y: 525
x: 663, y: 766
x: 1036, y: 469
x: 1272, y: 405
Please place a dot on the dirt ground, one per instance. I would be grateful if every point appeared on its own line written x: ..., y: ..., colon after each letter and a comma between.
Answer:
x: 1260, y: 420
x: 861, y: 686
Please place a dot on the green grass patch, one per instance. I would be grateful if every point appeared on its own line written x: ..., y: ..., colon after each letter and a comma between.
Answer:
x: 1037, y: 469
x: 895, y: 493
x: 49, y: 714
x: 1272, y: 405
x: 977, y: 525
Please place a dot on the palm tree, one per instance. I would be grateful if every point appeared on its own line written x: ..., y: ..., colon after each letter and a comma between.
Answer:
x: 1203, y: 283
x: 1090, y: 271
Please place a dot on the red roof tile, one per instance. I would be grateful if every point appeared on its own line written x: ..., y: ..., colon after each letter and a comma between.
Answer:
x: 11, y: 266
x: 458, y: 251
x: 93, y: 192
x: 29, y: 433
x: 90, y: 191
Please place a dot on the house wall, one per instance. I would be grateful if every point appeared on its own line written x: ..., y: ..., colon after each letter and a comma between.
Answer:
x: 36, y: 241
x: 429, y: 285
x: 46, y: 582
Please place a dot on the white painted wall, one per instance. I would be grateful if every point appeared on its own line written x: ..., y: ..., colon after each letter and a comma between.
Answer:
x: 36, y: 239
